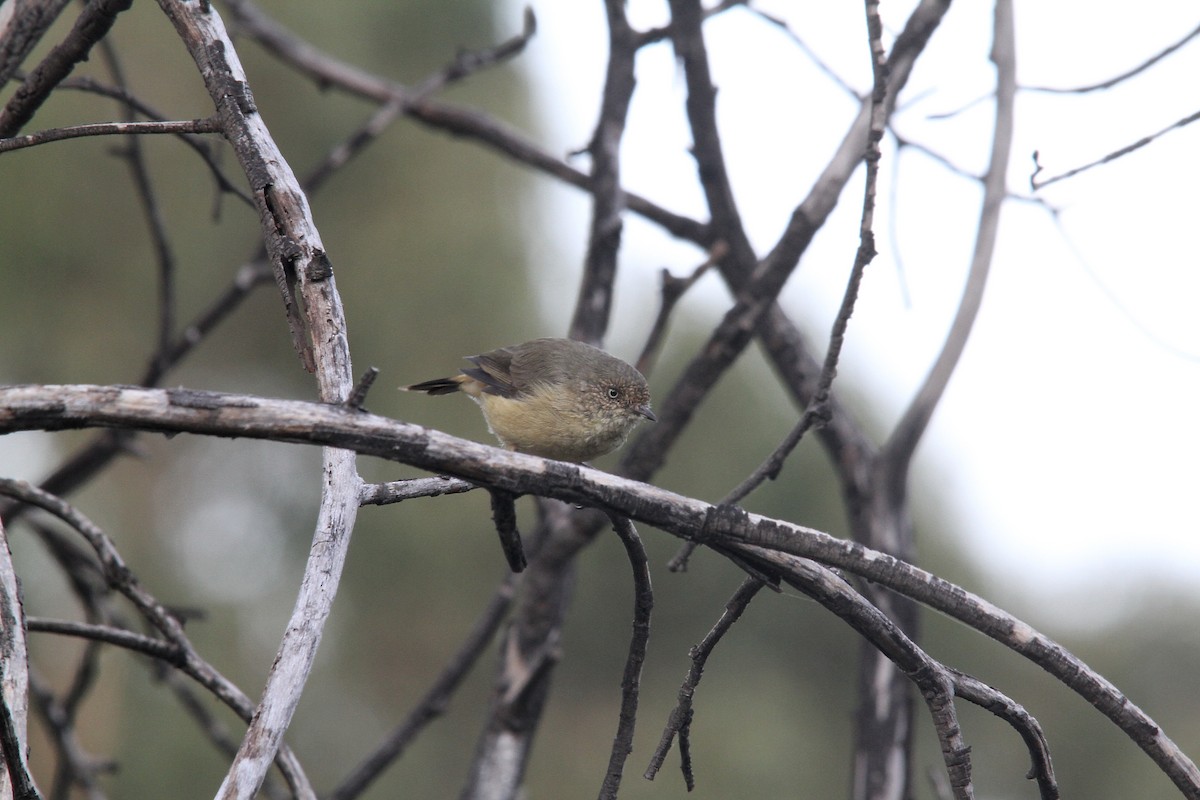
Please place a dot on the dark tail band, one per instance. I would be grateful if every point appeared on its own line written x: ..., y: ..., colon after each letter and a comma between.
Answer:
x: 435, y: 386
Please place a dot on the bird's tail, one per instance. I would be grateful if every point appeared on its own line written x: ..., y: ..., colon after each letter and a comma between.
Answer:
x: 436, y: 386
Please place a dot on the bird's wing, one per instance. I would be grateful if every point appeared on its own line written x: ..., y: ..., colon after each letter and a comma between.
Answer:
x: 493, y: 370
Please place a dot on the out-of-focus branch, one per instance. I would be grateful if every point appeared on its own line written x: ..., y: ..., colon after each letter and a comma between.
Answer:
x: 435, y: 701
x: 898, y: 451
x: 328, y: 71
x: 121, y: 578
x: 15, y: 780
x: 304, y: 276
x: 1122, y: 77
x: 109, y: 129
x: 22, y: 25
x: 1035, y: 183
x: 94, y: 21
x: 594, y: 303
x: 687, y: 38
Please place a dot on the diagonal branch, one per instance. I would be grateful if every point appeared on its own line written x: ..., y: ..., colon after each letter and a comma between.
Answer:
x: 898, y: 451
x: 93, y: 23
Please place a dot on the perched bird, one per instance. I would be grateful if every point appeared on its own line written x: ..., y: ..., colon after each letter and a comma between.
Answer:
x: 555, y: 398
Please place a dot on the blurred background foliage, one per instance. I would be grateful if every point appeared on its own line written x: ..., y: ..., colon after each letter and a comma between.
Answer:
x: 435, y: 244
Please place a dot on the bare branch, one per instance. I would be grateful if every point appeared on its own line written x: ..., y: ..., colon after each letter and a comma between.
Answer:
x: 1036, y: 184
x: 604, y: 236
x: 687, y: 38
x: 1122, y: 77
x: 212, y: 413
x: 435, y: 701
x: 304, y: 276
x: 643, y: 602
x: 94, y: 21
x: 680, y: 720
x: 22, y: 26
x: 146, y: 645
x: 902, y: 443
x: 985, y: 696
x: 208, y: 125
x: 504, y: 515
x: 482, y: 128
x: 15, y: 780
x: 381, y: 494
x: 671, y: 292
x: 121, y: 578
x: 818, y: 406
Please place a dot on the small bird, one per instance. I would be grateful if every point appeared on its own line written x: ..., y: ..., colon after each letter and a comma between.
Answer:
x: 555, y: 398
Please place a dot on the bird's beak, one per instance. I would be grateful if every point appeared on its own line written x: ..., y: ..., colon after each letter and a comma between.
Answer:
x: 644, y: 410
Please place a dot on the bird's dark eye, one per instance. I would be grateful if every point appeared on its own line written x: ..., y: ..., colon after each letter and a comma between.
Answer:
x: 613, y: 392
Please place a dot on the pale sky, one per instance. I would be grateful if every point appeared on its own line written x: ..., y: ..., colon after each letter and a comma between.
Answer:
x: 1068, y: 443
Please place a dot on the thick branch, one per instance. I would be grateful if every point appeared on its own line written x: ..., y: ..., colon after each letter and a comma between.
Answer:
x: 319, y: 333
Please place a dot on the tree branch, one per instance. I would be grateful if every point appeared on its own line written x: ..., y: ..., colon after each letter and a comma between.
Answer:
x: 898, y: 451
x: 643, y: 602
x: 172, y: 127
x: 229, y: 415
x: 94, y: 21
x: 319, y: 333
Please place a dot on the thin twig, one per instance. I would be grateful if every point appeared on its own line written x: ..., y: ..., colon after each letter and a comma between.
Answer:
x: 358, y: 395
x: 984, y: 696
x: 197, y: 143
x: 680, y: 720
x: 172, y: 127
x: 435, y: 701
x: 1036, y: 184
x: 672, y: 291
x: 147, y: 645
x: 643, y: 603
x: 818, y: 407
x: 150, y: 206
x: 1122, y: 77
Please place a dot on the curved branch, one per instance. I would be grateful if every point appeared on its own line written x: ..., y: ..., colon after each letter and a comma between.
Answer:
x: 643, y: 602
x: 898, y: 451
x: 219, y: 414
x: 304, y: 276
x: 121, y: 578
x: 230, y: 415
